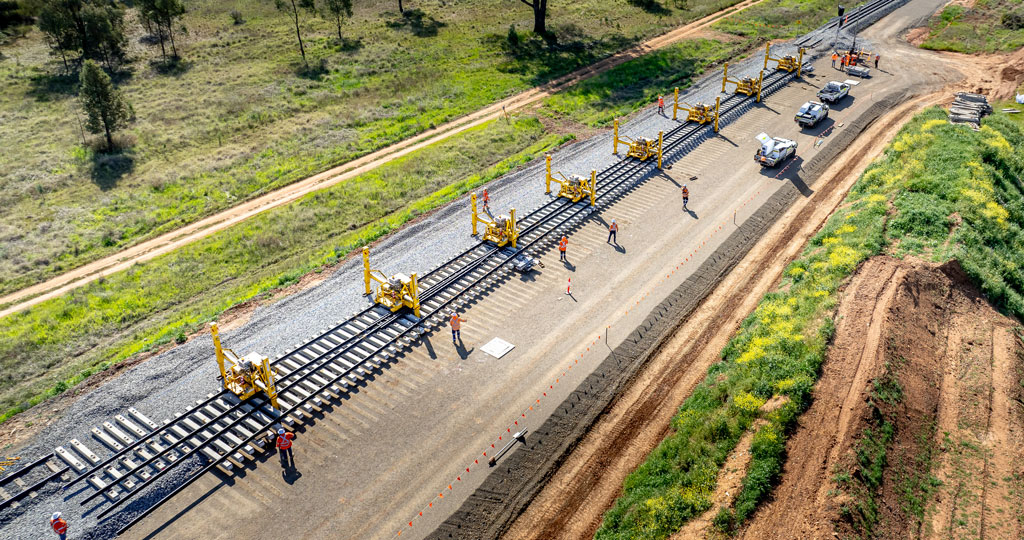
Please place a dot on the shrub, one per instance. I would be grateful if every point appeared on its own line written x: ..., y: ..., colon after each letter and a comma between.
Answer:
x: 236, y: 17
x: 1014, y: 20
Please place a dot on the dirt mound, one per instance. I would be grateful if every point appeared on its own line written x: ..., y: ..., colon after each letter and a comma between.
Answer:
x: 933, y: 371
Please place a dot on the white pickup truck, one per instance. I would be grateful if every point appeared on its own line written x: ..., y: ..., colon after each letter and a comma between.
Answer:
x: 811, y: 113
x: 834, y: 91
x: 774, y: 150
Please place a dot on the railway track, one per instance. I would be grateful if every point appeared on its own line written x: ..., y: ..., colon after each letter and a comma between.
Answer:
x: 224, y: 432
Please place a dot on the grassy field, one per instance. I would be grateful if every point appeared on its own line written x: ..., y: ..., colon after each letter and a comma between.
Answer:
x: 237, y: 117
x: 939, y: 192
x: 778, y: 19
x: 986, y: 27
x: 57, y: 343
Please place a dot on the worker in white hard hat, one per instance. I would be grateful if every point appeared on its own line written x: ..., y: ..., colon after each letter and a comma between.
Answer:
x: 612, y: 229
x: 686, y: 196
x: 284, y: 447
x: 60, y: 526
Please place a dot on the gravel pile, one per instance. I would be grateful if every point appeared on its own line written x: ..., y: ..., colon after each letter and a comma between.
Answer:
x: 175, y: 379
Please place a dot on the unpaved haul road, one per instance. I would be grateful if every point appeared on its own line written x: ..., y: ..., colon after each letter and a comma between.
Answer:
x: 586, y: 485
x: 183, y: 236
x: 412, y: 440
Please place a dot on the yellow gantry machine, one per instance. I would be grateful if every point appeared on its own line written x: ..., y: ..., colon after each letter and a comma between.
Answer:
x: 699, y: 113
x: 573, y: 188
x: 502, y: 229
x: 393, y: 293
x: 744, y: 85
x: 788, y: 62
x: 246, y: 375
x: 641, y: 148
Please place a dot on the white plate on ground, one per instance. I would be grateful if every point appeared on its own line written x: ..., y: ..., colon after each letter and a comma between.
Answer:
x: 497, y: 347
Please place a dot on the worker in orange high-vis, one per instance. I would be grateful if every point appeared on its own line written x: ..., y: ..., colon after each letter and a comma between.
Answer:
x: 487, y: 202
x: 612, y: 229
x: 686, y: 196
x: 284, y: 447
x: 842, y: 63
x: 563, y: 244
x: 835, y: 56
x: 877, y: 56
x: 661, y: 104
x: 60, y: 526
x: 456, y: 324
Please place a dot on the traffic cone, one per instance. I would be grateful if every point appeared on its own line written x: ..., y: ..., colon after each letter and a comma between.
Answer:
x: 568, y: 289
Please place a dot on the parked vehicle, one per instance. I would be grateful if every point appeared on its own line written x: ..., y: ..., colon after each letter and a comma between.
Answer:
x: 834, y: 91
x: 811, y: 113
x: 774, y: 150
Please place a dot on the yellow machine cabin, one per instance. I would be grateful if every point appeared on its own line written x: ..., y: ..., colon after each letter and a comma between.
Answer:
x: 393, y: 293
x: 573, y: 188
x: 244, y: 376
x: 699, y: 113
x: 501, y: 230
x: 744, y: 85
x: 640, y: 148
x: 788, y: 62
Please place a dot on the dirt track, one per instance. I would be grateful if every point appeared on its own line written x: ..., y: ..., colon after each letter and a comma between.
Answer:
x: 170, y: 241
x: 574, y: 500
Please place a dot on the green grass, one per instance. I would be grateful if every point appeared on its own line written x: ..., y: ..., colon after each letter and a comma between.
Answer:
x: 57, y: 343
x: 983, y: 28
x: 901, y: 201
x: 778, y: 19
x: 629, y: 86
x: 236, y: 118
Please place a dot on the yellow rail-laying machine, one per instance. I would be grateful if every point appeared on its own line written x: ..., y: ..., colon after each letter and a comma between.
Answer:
x: 744, y: 85
x: 573, y: 188
x: 640, y: 148
x: 788, y: 62
x: 501, y: 230
x: 699, y: 113
x: 393, y: 293
x: 247, y: 375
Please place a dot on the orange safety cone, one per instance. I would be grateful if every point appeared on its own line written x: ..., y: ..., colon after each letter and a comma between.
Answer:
x: 568, y: 289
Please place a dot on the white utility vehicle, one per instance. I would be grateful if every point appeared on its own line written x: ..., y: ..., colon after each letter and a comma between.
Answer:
x: 774, y: 150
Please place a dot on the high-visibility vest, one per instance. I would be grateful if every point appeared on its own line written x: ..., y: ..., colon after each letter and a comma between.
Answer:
x: 284, y: 442
x: 487, y: 197
x: 686, y: 192
x: 835, y: 57
x: 614, y: 227
x: 661, y: 101
x: 456, y: 322
x: 563, y: 243
x: 59, y: 525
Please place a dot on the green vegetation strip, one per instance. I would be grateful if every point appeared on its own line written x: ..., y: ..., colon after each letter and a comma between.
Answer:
x: 58, y: 343
x: 987, y: 26
x: 939, y: 192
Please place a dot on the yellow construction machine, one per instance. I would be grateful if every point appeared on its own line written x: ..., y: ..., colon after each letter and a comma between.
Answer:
x: 392, y: 292
x: 788, y: 62
x: 744, y: 85
x: 247, y: 375
x: 699, y: 113
x: 501, y: 230
x: 640, y: 148
x: 573, y: 188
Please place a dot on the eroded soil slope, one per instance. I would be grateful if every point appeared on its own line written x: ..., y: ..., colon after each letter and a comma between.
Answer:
x: 917, y: 426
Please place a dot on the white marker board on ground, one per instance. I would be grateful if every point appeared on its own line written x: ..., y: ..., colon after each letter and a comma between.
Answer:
x: 497, y: 347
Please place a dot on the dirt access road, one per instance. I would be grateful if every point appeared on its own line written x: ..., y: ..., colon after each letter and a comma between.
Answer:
x: 574, y: 500
x: 168, y: 242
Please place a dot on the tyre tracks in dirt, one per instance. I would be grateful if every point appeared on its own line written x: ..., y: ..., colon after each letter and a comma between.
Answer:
x: 574, y: 500
x: 165, y: 243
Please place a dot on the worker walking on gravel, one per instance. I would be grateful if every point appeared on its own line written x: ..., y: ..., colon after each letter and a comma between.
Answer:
x: 661, y: 105
x: 60, y: 526
x: 456, y: 324
x: 835, y: 56
x: 487, y: 202
x: 612, y: 229
x: 284, y: 447
x: 842, y: 63
x: 563, y: 244
x: 686, y: 197
x: 877, y: 56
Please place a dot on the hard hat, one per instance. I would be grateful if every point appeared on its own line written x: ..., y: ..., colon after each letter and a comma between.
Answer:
x: 56, y: 515
x: 613, y: 220
x: 280, y: 431
x: 684, y: 185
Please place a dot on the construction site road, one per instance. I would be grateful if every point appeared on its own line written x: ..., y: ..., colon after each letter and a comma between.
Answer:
x: 397, y: 451
x: 165, y: 243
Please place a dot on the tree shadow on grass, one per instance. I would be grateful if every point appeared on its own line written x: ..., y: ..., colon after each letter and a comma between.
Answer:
x: 314, y: 71
x: 653, y: 7
x: 417, y: 22
x: 173, y: 66
x: 45, y: 86
x: 347, y: 44
x: 557, y: 53
x: 108, y: 168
